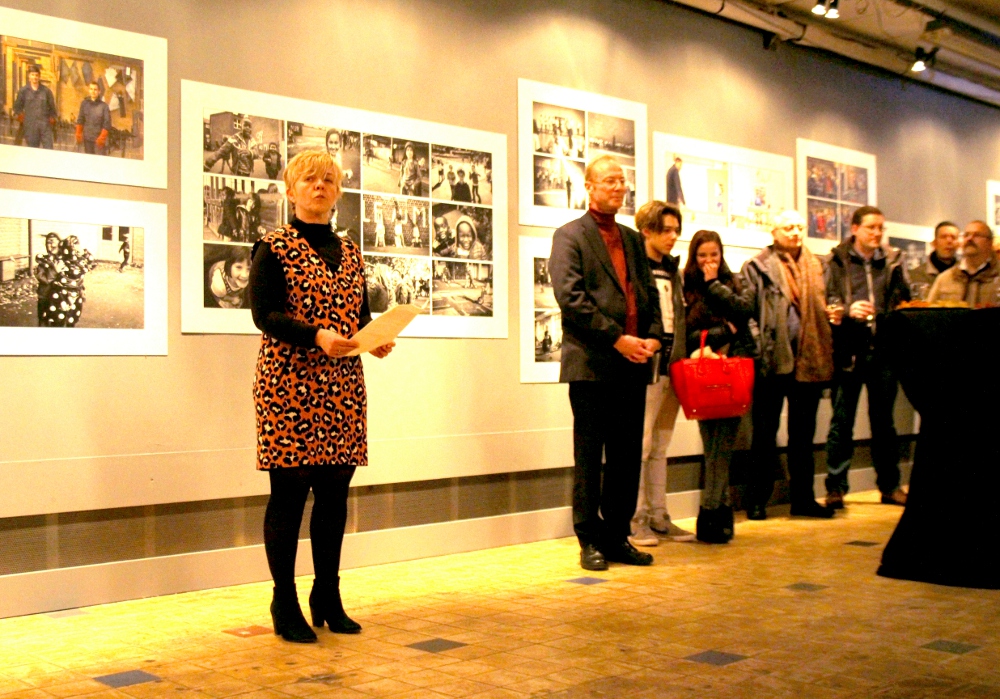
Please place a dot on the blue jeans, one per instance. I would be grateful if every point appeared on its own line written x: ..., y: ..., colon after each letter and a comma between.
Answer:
x: 882, y: 387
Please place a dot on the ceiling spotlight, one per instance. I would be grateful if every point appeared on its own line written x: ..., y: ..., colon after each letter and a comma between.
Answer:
x: 833, y: 12
x: 923, y: 59
x: 820, y: 8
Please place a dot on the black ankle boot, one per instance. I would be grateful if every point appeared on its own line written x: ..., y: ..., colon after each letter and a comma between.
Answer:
x: 726, y: 525
x: 287, y: 617
x: 709, y: 527
x: 326, y: 605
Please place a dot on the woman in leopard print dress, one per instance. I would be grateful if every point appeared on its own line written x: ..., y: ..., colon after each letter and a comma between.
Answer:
x: 308, y: 295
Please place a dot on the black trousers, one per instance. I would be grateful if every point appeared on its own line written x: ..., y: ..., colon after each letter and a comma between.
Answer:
x: 607, y: 456
x: 283, y: 517
x: 769, y: 394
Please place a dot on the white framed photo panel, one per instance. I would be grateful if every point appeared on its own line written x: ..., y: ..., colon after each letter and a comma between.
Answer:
x: 559, y: 131
x: 832, y: 183
x: 426, y: 202
x: 541, y: 320
x: 734, y: 191
x: 131, y: 72
x: 82, y: 276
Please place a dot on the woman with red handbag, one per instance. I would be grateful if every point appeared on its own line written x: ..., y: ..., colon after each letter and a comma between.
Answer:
x: 714, y: 305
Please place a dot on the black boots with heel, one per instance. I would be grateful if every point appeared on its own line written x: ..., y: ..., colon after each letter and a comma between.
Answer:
x: 715, y: 526
x: 326, y: 606
x: 287, y: 617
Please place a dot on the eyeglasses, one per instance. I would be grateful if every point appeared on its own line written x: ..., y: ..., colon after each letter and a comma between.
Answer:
x: 793, y: 228
x: 613, y: 181
x: 977, y: 234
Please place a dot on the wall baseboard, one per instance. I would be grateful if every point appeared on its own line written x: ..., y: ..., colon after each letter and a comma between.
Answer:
x: 84, y: 586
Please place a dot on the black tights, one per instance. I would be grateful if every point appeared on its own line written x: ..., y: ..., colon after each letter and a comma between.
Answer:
x: 283, y: 517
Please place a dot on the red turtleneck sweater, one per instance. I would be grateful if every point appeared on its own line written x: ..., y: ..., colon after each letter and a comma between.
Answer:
x: 616, y: 249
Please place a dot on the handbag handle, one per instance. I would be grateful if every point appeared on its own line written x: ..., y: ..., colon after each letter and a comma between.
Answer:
x: 701, y: 354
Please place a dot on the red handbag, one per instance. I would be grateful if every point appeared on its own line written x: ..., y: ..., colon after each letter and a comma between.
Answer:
x: 709, y: 389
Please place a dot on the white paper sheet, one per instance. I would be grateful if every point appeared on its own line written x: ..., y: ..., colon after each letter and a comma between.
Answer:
x: 384, y: 329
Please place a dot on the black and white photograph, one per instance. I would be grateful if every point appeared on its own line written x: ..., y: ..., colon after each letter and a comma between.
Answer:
x: 545, y: 298
x: 628, y: 203
x: 462, y: 232
x: 343, y: 145
x: 460, y: 174
x: 854, y: 184
x: 611, y: 135
x: 548, y: 335
x: 396, y: 166
x: 346, y: 219
x: 914, y: 250
x: 243, y: 145
x: 559, y: 183
x: 55, y: 274
x: 70, y: 99
x: 397, y: 225
x: 823, y: 221
x: 227, y: 273
x: 462, y: 288
x: 822, y: 178
x: 559, y: 131
x: 395, y: 281
x: 241, y: 210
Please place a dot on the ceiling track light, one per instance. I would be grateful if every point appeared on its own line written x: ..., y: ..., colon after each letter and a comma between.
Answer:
x: 827, y: 8
x: 923, y: 59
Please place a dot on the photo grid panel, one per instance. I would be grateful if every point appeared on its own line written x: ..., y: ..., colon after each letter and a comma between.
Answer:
x: 427, y: 226
x: 564, y: 140
x: 833, y: 183
x: 56, y: 274
x: 243, y: 198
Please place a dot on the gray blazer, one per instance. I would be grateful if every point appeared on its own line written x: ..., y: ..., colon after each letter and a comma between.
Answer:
x: 592, y: 302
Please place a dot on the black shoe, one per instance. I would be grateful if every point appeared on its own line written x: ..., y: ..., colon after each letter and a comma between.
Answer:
x: 592, y: 559
x: 756, y: 512
x: 325, y: 605
x: 625, y: 552
x: 286, y: 615
x: 835, y: 500
x: 709, y: 527
x: 811, y: 508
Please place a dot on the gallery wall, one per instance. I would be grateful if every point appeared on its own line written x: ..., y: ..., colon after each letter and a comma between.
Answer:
x: 88, y: 433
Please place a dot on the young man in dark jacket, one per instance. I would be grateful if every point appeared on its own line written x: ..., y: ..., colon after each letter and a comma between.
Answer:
x: 660, y: 225
x: 785, y: 287
x: 864, y: 282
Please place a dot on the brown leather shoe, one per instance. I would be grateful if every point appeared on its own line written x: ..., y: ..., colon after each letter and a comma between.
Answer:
x: 835, y: 501
x: 896, y: 497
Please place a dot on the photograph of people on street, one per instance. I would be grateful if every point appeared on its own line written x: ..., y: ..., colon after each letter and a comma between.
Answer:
x: 463, y: 289
x: 344, y: 146
x: 611, y: 135
x: 821, y: 178
x: 854, y: 184
x: 559, y: 131
x: 460, y: 174
x: 396, y: 166
x: 823, y: 222
x: 559, y: 182
x: 548, y: 335
x: 71, y: 275
x: 346, y: 219
x: 395, y: 281
x: 243, y: 145
x: 398, y: 225
x: 73, y: 100
x: 240, y: 210
x: 227, y: 273
x: 846, y: 214
x: 462, y: 232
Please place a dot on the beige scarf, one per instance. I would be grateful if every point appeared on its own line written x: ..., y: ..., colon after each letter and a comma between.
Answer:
x: 804, y: 277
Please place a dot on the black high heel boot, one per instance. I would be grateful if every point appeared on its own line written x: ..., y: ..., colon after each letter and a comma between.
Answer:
x: 326, y: 606
x: 286, y: 615
x: 709, y: 527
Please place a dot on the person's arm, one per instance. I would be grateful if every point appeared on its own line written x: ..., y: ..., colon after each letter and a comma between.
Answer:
x: 224, y: 150
x: 899, y: 286
x: 578, y: 309
x: 735, y: 307
x: 268, y: 293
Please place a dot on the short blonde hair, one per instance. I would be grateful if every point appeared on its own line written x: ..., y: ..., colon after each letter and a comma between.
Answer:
x: 309, y: 163
x: 650, y: 215
x: 588, y: 175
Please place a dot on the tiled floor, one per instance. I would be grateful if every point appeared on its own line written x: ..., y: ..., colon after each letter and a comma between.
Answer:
x: 792, y: 608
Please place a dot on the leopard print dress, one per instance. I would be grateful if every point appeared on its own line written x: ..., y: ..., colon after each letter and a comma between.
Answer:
x: 312, y: 408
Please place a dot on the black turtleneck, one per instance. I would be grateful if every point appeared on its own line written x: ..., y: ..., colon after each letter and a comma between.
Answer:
x: 269, y: 294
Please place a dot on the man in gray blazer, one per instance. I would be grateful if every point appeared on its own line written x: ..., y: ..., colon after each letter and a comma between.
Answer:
x: 611, y: 328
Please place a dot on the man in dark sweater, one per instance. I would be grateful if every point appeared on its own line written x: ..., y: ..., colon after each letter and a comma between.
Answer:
x: 93, y: 123
x: 35, y: 108
x: 946, y: 238
x: 611, y: 328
